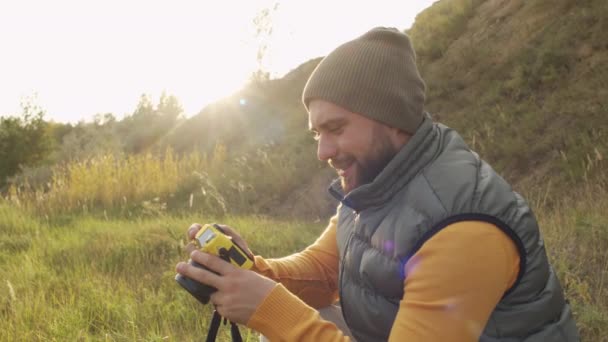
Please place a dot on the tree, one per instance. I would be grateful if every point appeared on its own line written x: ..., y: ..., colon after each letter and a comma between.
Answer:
x: 24, y: 141
x: 148, y: 125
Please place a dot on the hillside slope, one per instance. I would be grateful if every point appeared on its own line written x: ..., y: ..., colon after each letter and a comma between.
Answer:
x: 524, y: 82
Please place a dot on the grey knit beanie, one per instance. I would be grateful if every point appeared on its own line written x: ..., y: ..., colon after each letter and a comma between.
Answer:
x: 374, y: 75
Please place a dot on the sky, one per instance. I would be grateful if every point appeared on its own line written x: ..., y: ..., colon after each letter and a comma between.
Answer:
x: 76, y: 59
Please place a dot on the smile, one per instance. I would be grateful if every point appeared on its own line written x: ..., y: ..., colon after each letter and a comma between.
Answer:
x: 345, y: 172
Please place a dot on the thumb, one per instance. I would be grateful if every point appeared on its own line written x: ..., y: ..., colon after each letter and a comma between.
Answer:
x: 236, y: 238
x: 194, y: 228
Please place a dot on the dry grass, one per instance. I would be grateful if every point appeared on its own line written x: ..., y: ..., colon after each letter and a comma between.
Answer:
x: 575, y: 231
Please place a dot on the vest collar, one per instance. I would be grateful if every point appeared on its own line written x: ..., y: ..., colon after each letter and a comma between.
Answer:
x: 408, y: 162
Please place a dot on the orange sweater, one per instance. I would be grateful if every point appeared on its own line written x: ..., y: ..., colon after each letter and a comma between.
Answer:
x: 453, y: 284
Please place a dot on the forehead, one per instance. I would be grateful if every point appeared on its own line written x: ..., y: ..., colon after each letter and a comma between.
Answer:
x: 321, y: 112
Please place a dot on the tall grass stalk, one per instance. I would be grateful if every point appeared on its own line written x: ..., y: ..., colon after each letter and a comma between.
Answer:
x: 108, y: 181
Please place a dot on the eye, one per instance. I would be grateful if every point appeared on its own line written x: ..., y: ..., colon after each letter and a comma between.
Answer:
x: 336, y: 130
x: 316, y: 135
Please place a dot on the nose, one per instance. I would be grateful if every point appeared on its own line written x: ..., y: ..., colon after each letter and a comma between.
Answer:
x: 326, y: 148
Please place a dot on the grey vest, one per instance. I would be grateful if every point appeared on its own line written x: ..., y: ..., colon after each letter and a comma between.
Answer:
x: 434, y: 181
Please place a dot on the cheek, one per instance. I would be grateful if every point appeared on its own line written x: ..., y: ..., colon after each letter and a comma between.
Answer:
x: 356, y: 145
x: 348, y: 146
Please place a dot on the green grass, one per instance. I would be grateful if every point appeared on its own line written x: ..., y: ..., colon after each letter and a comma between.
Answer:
x: 90, y: 279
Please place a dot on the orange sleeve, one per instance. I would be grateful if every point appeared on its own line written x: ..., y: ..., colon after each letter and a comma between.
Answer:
x: 284, y: 317
x: 312, y: 274
x: 454, y: 282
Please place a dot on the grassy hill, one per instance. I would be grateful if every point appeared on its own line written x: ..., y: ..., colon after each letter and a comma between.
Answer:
x: 523, y: 81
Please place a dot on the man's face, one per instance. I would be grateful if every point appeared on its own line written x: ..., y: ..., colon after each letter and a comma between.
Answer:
x: 357, y: 147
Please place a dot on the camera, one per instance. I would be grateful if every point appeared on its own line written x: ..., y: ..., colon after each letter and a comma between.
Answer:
x: 213, y: 240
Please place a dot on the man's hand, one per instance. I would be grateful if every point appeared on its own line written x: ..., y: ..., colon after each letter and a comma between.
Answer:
x: 239, y: 292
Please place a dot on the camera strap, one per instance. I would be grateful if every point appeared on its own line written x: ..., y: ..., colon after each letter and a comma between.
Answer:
x: 215, y: 325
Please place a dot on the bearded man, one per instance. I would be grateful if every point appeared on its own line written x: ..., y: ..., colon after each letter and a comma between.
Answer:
x: 428, y: 243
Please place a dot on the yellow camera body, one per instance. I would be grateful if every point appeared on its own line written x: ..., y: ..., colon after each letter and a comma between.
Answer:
x: 212, y: 239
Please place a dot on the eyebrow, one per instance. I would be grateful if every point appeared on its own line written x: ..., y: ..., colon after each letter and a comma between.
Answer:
x: 327, y: 124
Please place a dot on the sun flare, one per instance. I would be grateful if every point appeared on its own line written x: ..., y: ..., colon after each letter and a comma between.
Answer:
x: 85, y: 59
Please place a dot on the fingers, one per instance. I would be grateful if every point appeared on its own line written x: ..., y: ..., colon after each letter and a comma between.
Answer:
x: 194, y: 228
x: 198, y: 274
x: 218, y: 299
x: 213, y: 262
x: 237, y: 239
x: 190, y: 247
x: 228, y: 230
x: 241, y: 296
x: 223, y: 302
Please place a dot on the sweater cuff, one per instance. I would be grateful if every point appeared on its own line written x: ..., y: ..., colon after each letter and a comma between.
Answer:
x: 259, y: 264
x: 278, y: 314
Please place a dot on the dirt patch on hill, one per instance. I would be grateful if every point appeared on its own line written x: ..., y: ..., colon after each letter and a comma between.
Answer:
x: 311, y: 200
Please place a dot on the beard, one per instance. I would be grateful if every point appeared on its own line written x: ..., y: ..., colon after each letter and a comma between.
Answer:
x: 368, y: 167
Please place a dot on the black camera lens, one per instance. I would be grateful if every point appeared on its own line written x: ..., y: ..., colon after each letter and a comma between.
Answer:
x: 199, y: 291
